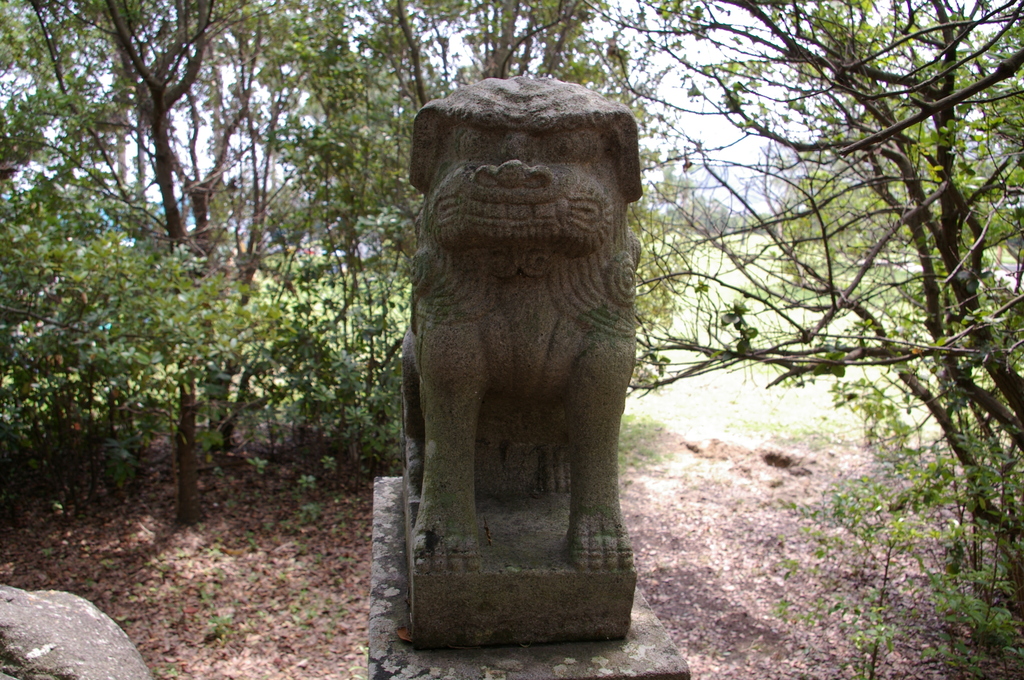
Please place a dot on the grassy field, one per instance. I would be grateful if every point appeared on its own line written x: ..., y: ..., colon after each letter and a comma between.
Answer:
x: 737, y: 405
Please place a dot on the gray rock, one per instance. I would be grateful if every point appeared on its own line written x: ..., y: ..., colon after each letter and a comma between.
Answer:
x: 516, y: 365
x: 49, y: 634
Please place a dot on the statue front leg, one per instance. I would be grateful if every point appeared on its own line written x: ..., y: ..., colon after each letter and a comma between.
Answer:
x: 597, y: 536
x: 451, y: 388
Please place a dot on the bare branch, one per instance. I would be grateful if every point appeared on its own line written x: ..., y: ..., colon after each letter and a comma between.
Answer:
x: 1006, y: 69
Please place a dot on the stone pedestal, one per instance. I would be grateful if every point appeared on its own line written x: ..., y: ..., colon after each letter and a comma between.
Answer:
x: 526, y: 591
x: 645, y: 652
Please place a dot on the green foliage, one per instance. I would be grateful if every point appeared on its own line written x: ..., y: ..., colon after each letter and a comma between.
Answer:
x: 338, y: 357
x: 234, y: 189
x: 309, y: 513
x: 97, y: 334
x: 219, y: 626
x: 884, y: 537
x: 896, y: 527
x: 259, y: 463
x: 882, y: 234
x: 282, y: 302
x: 450, y: 42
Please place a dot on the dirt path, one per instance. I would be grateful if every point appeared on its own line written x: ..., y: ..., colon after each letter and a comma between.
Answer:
x: 725, y: 558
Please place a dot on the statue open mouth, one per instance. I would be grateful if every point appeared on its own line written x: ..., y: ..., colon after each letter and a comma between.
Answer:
x: 573, y: 227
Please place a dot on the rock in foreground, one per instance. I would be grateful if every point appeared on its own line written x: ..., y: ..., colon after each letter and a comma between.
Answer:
x: 52, y: 634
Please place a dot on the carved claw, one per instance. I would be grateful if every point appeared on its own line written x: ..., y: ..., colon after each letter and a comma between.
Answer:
x: 452, y: 553
x: 598, y: 543
x: 603, y: 560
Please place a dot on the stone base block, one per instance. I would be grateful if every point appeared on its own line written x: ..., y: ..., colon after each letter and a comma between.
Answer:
x: 526, y: 590
x: 645, y: 652
x: 499, y: 608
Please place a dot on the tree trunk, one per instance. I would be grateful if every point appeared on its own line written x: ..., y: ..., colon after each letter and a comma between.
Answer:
x: 163, y: 167
x: 186, y: 464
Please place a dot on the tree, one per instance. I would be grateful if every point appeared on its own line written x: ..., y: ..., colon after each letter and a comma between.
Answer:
x: 433, y: 46
x: 240, y: 140
x: 255, y: 145
x: 159, y: 51
x: 881, y: 233
x: 181, y: 87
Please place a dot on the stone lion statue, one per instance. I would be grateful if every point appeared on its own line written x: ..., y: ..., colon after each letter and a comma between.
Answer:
x: 523, y: 311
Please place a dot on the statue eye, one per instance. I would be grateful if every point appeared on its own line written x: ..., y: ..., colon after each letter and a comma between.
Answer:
x: 576, y: 146
x: 467, y: 142
x: 473, y: 144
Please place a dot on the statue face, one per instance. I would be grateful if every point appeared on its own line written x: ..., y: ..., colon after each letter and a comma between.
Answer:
x: 516, y: 188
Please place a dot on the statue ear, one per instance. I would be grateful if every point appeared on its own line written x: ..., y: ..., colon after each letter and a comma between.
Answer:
x: 427, y: 138
x: 628, y: 155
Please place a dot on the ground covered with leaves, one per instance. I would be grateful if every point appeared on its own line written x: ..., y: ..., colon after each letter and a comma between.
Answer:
x: 274, y: 583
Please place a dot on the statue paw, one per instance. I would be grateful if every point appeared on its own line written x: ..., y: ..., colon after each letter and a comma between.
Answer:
x: 598, y: 543
x: 452, y: 553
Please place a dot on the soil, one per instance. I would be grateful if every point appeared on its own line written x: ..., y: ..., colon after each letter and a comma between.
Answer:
x: 273, y: 584
x: 728, y: 562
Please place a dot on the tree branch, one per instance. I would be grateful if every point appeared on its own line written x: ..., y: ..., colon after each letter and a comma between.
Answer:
x: 1006, y: 69
x: 414, y: 53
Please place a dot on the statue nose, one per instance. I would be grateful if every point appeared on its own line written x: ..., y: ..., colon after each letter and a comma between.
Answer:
x: 513, y: 174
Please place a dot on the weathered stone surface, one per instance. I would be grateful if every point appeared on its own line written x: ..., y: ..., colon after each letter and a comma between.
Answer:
x: 519, y: 354
x: 646, y: 652
x: 526, y: 590
x: 52, y: 634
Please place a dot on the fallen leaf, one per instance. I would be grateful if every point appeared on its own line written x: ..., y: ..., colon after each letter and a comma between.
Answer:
x: 403, y: 634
